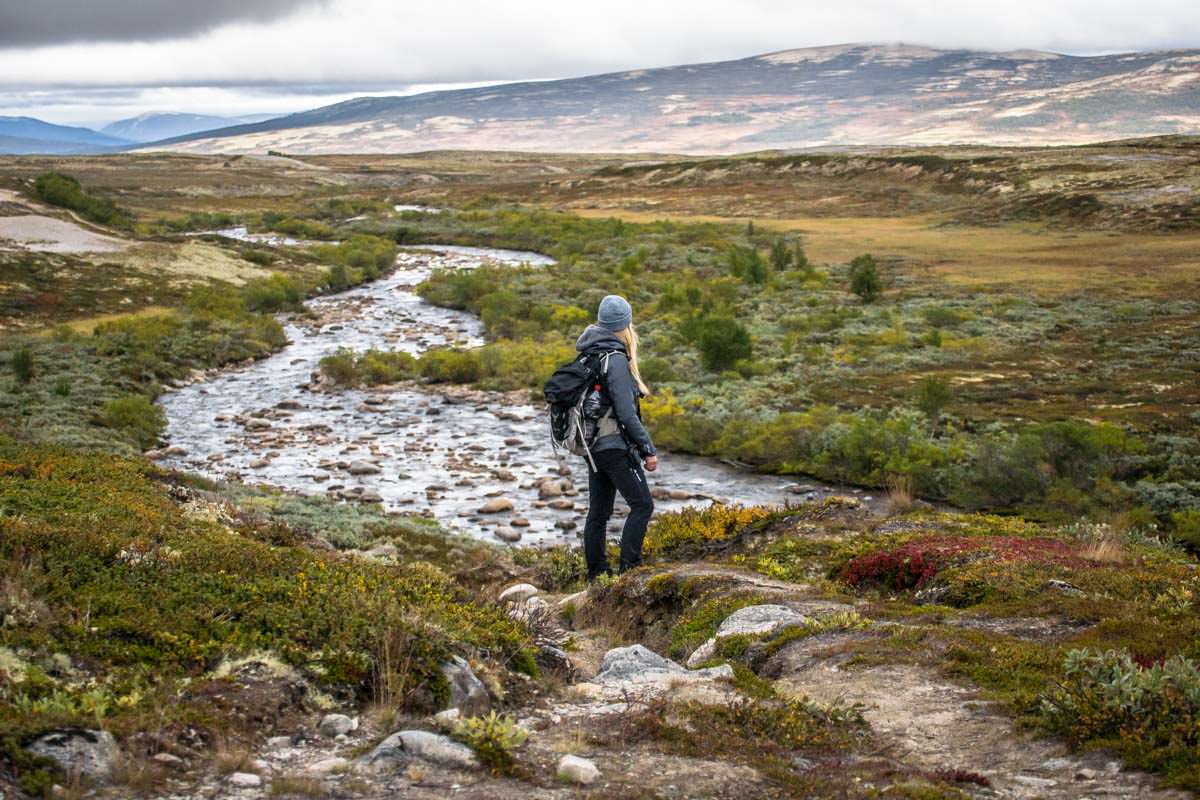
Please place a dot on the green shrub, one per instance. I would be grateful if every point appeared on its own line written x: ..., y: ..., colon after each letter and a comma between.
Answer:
x: 933, y: 394
x: 22, y: 365
x: 277, y: 292
x: 864, y: 279
x: 451, y: 366
x: 137, y: 417
x: 1185, y: 528
x: 64, y: 191
x: 494, y: 738
x: 1148, y: 713
x: 723, y: 342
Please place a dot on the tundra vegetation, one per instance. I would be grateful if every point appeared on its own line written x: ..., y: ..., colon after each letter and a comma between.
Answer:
x: 1052, y: 405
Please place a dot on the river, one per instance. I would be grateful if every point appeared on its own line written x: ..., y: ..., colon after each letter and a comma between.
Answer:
x: 439, y: 451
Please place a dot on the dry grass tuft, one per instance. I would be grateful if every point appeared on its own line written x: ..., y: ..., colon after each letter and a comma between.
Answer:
x: 298, y: 786
x: 899, y: 494
x: 1106, y: 551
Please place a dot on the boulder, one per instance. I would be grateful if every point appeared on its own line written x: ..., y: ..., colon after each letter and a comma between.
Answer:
x: 467, y: 692
x: 639, y: 670
x: 404, y: 746
x: 363, y: 468
x: 79, y: 751
x: 760, y: 620
x: 496, y: 505
x: 332, y: 725
x: 577, y: 770
x: 518, y: 592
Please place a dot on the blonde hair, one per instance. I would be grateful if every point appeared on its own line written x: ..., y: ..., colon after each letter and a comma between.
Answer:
x: 629, y: 338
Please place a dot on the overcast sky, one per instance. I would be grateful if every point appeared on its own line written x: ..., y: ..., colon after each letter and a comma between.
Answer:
x: 84, y: 61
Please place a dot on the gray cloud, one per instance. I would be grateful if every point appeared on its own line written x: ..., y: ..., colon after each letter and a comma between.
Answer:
x: 27, y: 23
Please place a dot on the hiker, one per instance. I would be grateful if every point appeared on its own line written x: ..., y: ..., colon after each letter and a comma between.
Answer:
x: 621, y: 445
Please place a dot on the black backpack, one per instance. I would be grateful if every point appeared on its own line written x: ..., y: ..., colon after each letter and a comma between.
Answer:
x: 567, y: 392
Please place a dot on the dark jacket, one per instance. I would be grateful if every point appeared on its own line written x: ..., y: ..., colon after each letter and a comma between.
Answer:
x: 621, y: 392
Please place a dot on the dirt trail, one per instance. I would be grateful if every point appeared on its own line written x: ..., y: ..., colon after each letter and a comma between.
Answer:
x: 931, y: 723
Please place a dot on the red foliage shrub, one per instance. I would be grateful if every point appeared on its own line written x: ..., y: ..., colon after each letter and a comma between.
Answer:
x: 914, y: 564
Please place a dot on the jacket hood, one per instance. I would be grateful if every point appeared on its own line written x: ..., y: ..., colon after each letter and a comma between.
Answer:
x: 596, y: 338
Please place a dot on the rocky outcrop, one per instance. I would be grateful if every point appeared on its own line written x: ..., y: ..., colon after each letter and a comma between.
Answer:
x: 84, y: 752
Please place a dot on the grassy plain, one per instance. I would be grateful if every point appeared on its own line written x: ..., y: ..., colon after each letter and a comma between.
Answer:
x: 1035, y: 352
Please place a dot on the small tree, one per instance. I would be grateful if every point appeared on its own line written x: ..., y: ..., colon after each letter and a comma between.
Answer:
x: 864, y: 278
x: 933, y: 394
x: 799, y: 257
x: 723, y: 342
x: 22, y: 365
x: 781, y: 257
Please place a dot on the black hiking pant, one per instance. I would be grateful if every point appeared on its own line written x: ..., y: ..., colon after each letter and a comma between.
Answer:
x: 616, y: 471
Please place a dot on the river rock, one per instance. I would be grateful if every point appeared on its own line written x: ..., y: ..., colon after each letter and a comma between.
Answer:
x: 577, y: 770
x: 333, y: 725
x: 508, y: 534
x: 518, y: 593
x: 519, y: 522
x: 401, y: 747
x: 257, y: 424
x: 760, y: 620
x: 79, y: 751
x: 363, y: 468
x: 496, y: 505
x: 548, y: 489
x: 467, y: 692
x: 562, y: 504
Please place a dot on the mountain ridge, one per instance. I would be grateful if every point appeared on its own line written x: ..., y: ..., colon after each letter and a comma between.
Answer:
x: 844, y: 94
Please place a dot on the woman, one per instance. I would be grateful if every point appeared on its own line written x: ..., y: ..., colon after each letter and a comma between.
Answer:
x: 621, y: 444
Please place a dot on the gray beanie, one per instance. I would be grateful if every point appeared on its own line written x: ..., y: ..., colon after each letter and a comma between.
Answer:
x: 615, y: 314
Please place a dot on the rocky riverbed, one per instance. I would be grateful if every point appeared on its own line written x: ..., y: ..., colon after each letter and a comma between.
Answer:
x: 479, y: 462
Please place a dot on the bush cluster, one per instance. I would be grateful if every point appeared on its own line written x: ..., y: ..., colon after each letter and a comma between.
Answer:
x: 62, y: 190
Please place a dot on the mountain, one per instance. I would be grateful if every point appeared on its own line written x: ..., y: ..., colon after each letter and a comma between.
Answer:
x: 22, y: 135
x: 841, y: 95
x: 157, y: 125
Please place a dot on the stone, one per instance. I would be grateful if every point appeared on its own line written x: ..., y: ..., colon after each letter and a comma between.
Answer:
x: 507, y: 534
x: 760, y: 620
x: 447, y: 719
x: 259, y: 463
x: 167, y: 759
x: 327, y: 765
x: 332, y: 725
x: 370, y: 496
x: 79, y: 751
x: 257, y: 424
x: 520, y: 522
x: 363, y: 468
x: 244, y: 780
x: 679, y: 494
x: 496, y: 505
x: 504, y: 475
x: 548, y: 489
x: 404, y: 746
x: 577, y: 770
x: 467, y: 692
x: 518, y: 592
x: 562, y: 504
x: 639, y: 670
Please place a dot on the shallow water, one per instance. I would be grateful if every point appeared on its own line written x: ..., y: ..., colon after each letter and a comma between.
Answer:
x: 439, y: 452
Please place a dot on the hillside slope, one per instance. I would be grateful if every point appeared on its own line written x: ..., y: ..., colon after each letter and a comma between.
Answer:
x: 849, y: 94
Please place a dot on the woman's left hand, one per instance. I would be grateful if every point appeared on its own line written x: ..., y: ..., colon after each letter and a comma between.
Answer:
x: 651, y: 463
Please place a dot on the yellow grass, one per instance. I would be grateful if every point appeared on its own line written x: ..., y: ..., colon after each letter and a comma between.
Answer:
x: 1015, y: 254
x: 87, y: 324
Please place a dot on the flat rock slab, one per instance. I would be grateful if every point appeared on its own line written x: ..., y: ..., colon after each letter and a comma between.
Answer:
x: 79, y: 751
x: 760, y: 620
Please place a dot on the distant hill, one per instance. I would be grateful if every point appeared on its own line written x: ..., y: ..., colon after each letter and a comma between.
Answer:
x: 847, y: 94
x: 22, y: 135
x: 157, y: 125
